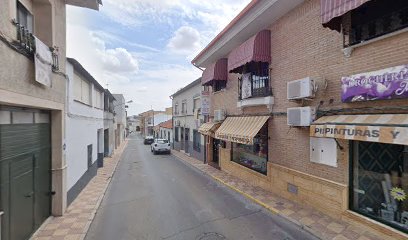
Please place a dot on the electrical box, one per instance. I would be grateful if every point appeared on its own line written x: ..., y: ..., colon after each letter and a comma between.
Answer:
x: 300, y: 116
x: 323, y: 151
x: 302, y: 88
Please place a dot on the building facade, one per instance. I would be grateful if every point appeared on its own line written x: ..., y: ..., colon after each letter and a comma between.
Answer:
x: 84, y: 128
x: 134, y: 124
x: 151, y: 119
x: 187, y: 119
x: 32, y: 114
x: 120, y: 114
x: 109, y: 125
x: 314, y: 103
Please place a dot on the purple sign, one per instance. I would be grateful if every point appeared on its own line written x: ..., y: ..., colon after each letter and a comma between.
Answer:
x: 389, y: 83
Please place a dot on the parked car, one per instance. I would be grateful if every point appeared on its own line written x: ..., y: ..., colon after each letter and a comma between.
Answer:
x: 148, y: 140
x: 160, y: 145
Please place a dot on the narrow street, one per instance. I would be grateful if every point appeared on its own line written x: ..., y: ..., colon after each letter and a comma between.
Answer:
x: 159, y: 197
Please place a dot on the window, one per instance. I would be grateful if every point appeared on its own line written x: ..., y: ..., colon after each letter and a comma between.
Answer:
x: 82, y: 90
x: 24, y: 17
x: 374, y: 19
x: 176, y: 110
x: 196, y: 141
x: 253, y: 156
x: 98, y: 99
x: 162, y: 141
x: 196, y: 103
x: 379, y: 182
x: 184, y: 108
x: 176, y: 134
x: 254, y: 81
x: 219, y: 85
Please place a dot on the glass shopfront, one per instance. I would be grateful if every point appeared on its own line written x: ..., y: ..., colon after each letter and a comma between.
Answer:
x: 379, y: 182
x: 253, y: 156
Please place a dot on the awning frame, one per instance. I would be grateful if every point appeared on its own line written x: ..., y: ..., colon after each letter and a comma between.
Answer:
x: 215, y: 72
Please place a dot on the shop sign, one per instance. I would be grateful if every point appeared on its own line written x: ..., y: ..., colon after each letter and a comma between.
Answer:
x: 392, y: 135
x: 389, y: 83
x: 237, y: 139
x: 205, y: 103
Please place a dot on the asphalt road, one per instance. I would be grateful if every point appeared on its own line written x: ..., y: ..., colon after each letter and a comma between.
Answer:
x: 159, y: 197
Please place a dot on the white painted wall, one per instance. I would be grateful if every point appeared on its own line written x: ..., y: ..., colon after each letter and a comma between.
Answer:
x: 82, y: 123
x: 187, y: 120
x: 166, y: 133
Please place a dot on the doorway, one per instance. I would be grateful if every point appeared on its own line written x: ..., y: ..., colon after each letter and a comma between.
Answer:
x: 216, y: 146
x: 187, y: 139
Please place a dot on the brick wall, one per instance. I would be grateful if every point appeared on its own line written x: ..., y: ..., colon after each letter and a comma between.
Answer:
x: 301, y: 47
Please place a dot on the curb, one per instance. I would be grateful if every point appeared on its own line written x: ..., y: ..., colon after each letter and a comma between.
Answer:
x: 98, y: 203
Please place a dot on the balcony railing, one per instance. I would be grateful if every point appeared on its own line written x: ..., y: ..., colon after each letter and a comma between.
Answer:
x: 26, y: 45
x: 259, y: 87
x: 355, y: 33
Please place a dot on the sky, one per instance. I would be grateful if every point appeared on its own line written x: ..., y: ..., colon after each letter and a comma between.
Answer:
x: 143, y: 48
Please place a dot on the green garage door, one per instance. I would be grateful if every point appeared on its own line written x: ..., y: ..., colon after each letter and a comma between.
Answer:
x: 25, y: 172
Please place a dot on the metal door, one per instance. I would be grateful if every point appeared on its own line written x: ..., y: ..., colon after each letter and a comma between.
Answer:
x: 25, y: 174
x: 186, y: 139
x: 182, y: 139
x: 216, y: 145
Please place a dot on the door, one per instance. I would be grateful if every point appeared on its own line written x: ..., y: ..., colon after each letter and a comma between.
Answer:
x: 187, y: 139
x: 25, y: 172
x: 182, y: 139
x: 216, y: 145
x: 106, y: 142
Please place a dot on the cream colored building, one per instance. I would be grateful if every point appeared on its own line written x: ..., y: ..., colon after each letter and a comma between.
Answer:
x: 32, y: 110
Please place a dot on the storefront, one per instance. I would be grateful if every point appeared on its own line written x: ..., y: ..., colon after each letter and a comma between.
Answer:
x: 378, y: 160
x: 249, y: 141
x: 208, y: 131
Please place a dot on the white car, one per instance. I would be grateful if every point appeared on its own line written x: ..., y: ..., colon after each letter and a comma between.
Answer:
x: 160, y: 145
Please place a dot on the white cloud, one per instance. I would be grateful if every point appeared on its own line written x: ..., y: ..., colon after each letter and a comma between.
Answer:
x: 185, y: 40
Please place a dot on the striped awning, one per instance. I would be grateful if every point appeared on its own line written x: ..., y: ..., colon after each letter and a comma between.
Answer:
x: 384, y: 128
x: 332, y: 10
x: 209, y: 128
x: 255, y: 49
x: 215, y: 72
x: 241, y: 129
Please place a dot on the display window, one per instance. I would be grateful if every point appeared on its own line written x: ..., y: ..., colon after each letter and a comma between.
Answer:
x: 253, y: 156
x: 379, y: 182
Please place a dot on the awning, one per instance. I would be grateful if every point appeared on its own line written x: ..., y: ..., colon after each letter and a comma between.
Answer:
x: 332, y: 10
x: 215, y: 72
x: 384, y: 128
x: 241, y: 129
x: 255, y: 49
x: 209, y: 128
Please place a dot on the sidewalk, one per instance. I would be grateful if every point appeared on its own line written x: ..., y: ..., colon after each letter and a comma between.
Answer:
x: 317, y: 223
x: 74, y: 224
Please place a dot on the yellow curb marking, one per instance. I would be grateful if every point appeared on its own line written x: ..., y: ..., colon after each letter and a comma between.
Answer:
x: 271, y: 209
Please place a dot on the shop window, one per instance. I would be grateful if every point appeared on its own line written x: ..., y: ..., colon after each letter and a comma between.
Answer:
x: 374, y: 19
x: 254, y: 81
x: 176, y: 134
x: 253, y: 156
x: 219, y: 85
x: 379, y: 182
x: 196, y: 141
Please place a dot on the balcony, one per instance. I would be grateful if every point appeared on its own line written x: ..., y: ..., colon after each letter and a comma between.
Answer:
x: 25, y: 45
x: 260, y: 93
x: 358, y: 32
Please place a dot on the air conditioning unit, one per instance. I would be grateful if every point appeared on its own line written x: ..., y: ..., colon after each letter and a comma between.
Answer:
x: 219, y: 115
x: 300, y: 116
x: 302, y: 88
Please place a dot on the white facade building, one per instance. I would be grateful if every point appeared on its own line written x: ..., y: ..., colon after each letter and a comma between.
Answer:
x: 187, y: 120
x: 84, y: 127
x: 120, y: 113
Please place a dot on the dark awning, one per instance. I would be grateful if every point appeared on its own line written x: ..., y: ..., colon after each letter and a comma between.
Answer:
x: 255, y: 49
x: 332, y: 10
x: 215, y: 72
